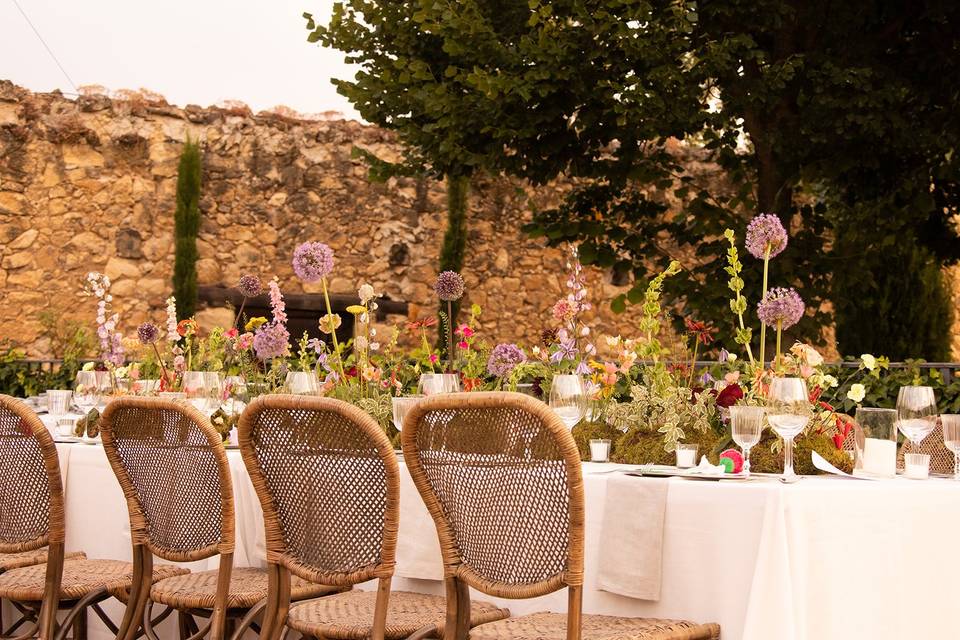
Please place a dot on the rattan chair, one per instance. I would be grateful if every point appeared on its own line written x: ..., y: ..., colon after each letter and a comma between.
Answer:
x: 941, y: 458
x: 174, y: 473
x: 501, y: 476
x: 39, y: 578
x: 328, y: 480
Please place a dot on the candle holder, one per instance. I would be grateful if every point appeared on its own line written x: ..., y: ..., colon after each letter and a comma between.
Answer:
x: 875, y: 442
x: 599, y: 450
x: 686, y: 455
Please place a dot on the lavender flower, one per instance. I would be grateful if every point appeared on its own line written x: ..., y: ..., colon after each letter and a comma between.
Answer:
x: 148, y: 333
x: 449, y: 286
x: 504, y: 359
x: 312, y: 261
x: 272, y: 340
x: 249, y: 285
x: 766, y: 231
x: 566, y: 350
x: 782, y: 306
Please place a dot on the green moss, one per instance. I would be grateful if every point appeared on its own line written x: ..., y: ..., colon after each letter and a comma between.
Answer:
x: 584, y: 432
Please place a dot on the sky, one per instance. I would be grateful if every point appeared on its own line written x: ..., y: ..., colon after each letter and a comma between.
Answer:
x: 190, y: 51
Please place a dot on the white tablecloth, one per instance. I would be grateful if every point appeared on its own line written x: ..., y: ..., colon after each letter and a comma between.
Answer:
x: 820, y: 559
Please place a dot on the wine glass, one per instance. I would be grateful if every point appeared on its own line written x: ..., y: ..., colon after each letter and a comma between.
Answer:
x: 213, y: 381
x: 86, y: 391
x: 916, y: 413
x: 235, y: 395
x: 746, y: 425
x: 951, y: 439
x: 788, y: 412
x: 568, y: 398
x: 402, y: 406
x: 433, y: 383
x: 194, y: 388
x: 302, y: 383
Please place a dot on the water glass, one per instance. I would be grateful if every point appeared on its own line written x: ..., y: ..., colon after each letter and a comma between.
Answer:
x: 433, y: 383
x: 951, y: 439
x: 302, y: 383
x: 746, y: 426
x: 788, y: 412
x: 568, y: 398
x: 600, y: 450
x: 875, y: 447
x: 235, y: 395
x: 916, y: 413
x: 194, y: 388
x: 58, y: 402
x: 402, y: 406
x: 86, y: 391
x: 146, y: 387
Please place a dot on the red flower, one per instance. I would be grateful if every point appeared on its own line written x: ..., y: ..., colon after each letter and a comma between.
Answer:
x: 701, y: 331
x: 187, y: 327
x: 417, y: 325
x: 815, y: 394
x: 729, y: 396
x: 469, y: 384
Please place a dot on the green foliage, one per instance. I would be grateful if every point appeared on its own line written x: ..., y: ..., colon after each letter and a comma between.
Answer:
x: 186, y: 227
x: 842, y: 105
x: 454, y: 247
x: 650, y: 321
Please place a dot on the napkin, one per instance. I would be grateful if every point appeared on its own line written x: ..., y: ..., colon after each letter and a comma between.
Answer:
x: 631, y: 549
x: 705, y: 468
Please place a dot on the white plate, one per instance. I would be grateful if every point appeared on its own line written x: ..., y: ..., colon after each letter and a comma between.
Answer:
x: 667, y: 471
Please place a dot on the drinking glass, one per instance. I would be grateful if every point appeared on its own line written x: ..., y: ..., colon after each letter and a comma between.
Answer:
x: 194, y: 388
x: 402, y: 406
x: 213, y: 381
x: 916, y: 413
x: 302, y: 383
x: 746, y: 426
x: 568, y: 398
x: 788, y: 412
x: 146, y: 387
x: 235, y: 395
x: 433, y: 383
x: 951, y: 439
x: 86, y: 391
x: 876, y: 447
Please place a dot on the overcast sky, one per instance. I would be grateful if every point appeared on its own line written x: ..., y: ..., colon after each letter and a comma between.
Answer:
x: 191, y: 51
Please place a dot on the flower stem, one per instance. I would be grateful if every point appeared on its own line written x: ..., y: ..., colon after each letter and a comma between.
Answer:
x: 333, y: 331
x: 763, y: 327
x: 779, y: 330
x: 163, y: 369
x: 236, y: 321
x: 450, y: 336
x: 693, y: 362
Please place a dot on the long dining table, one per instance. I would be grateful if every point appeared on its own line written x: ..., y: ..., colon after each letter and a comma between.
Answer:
x: 823, y: 558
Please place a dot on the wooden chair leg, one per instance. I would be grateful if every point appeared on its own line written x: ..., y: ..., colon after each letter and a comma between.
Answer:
x: 80, y: 625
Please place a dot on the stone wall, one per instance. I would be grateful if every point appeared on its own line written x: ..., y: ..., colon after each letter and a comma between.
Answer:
x: 89, y: 184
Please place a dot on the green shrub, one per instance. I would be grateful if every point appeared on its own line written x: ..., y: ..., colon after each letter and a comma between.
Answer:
x: 186, y: 227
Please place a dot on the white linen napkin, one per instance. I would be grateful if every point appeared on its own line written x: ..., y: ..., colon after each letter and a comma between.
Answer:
x: 705, y: 468
x: 631, y: 550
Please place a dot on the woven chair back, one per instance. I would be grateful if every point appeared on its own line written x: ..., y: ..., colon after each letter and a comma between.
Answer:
x: 328, y: 481
x: 941, y: 458
x: 31, y: 491
x: 173, y: 470
x: 501, y: 476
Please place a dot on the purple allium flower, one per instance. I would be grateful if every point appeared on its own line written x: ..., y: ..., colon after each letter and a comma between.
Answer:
x: 249, y: 285
x: 312, y: 261
x: 783, y: 305
x: 449, y: 286
x: 766, y: 230
x: 148, y: 333
x: 272, y: 340
x: 504, y: 359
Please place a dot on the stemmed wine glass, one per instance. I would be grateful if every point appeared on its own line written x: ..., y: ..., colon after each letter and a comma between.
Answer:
x: 788, y: 412
x: 746, y: 425
x: 916, y: 413
x: 433, y: 383
x: 86, y: 391
x: 568, y: 398
x: 951, y: 439
x: 213, y: 381
x: 194, y: 387
x: 402, y: 406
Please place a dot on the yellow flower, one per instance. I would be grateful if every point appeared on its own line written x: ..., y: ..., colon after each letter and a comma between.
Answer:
x: 330, y: 323
x: 869, y: 362
x: 356, y: 309
x: 254, y: 323
x: 857, y: 392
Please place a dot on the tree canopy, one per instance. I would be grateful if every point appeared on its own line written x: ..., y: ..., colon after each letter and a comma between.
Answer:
x: 838, y: 117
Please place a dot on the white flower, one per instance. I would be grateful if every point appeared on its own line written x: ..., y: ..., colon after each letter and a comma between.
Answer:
x: 857, y: 392
x: 732, y: 357
x: 612, y: 341
x: 869, y: 362
x: 831, y: 382
x: 374, y: 346
x: 366, y: 293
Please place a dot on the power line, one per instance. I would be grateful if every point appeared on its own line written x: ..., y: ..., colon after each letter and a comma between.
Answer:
x: 45, y: 45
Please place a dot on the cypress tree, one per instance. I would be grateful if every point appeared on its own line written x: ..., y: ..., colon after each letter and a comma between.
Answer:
x: 186, y: 227
x: 454, y: 240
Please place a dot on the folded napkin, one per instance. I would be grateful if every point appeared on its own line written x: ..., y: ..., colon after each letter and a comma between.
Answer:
x: 705, y: 468
x: 631, y: 549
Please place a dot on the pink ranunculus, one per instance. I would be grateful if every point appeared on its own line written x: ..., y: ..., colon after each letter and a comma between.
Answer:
x: 732, y: 377
x: 463, y: 344
x: 233, y: 332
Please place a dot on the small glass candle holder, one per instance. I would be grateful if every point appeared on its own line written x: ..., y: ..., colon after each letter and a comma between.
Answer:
x: 916, y: 466
x: 599, y: 450
x: 686, y: 455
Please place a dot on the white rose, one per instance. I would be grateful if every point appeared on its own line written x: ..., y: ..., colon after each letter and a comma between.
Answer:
x: 832, y: 382
x: 869, y: 362
x: 857, y: 392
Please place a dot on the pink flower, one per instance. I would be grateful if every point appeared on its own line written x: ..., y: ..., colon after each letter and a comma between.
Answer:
x: 245, y: 341
x: 609, y: 377
x: 433, y: 358
x: 465, y: 331
x: 463, y: 344
x: 563, y: 310
x: 179, y: 363
x: 233, y: 332
x: 732, y: 377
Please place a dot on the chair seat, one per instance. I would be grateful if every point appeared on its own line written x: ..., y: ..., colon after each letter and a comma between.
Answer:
x: 349, y: 616
x: 248, y: 586
x: 553, y: 626
x: 80, y: 577
x: 10, y: 561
